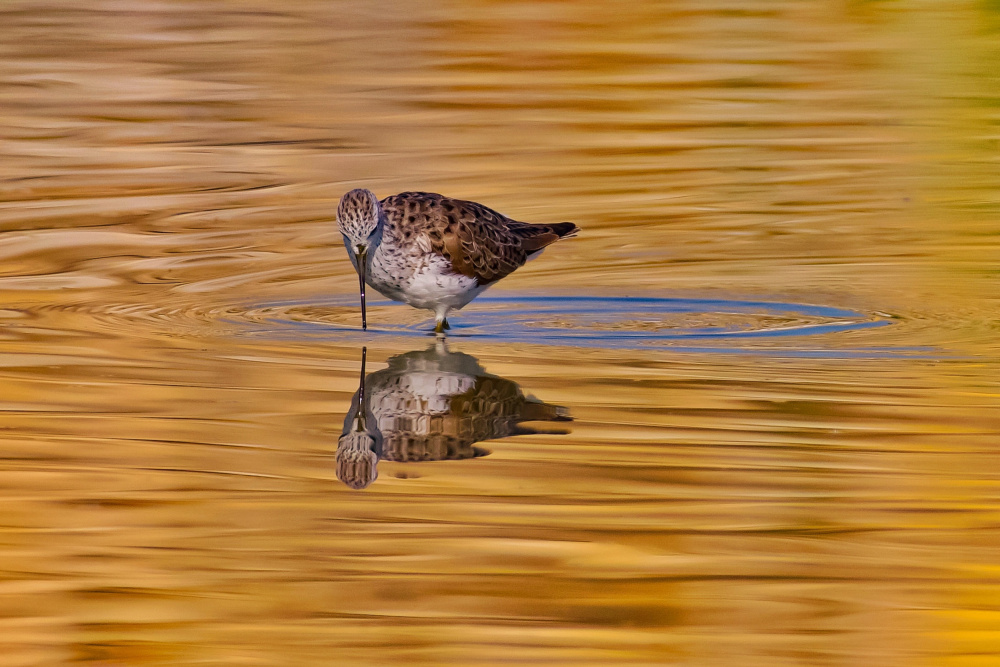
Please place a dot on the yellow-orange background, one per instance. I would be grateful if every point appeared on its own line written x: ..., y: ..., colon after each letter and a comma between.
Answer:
x: 167, y: 494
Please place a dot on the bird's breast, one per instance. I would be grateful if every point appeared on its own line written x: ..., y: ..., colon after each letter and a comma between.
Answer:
x: 423, y: 280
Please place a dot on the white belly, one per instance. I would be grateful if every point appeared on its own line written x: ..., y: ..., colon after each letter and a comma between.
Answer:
x: 431, y: 284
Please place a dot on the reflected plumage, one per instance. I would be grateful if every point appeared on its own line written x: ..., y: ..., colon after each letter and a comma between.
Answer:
x: 431, y: 405
x: 435, y: 252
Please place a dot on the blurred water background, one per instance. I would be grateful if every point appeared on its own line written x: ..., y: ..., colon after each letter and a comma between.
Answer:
x: 775, y: 336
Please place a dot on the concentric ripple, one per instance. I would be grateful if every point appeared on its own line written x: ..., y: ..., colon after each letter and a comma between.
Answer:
x: 591, y: 321
x: 609, y: 322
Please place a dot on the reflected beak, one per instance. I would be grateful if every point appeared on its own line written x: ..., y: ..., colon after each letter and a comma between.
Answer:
x: 362, y: 269
x: 359, y: 424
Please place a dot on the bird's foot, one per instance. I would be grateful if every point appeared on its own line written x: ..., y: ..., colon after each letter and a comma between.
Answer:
x: 442, y: 326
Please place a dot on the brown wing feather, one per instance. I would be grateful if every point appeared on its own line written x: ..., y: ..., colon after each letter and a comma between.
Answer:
x: 478, y: 241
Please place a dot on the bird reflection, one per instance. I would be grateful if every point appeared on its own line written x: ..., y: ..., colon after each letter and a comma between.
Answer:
x: 431, y: 405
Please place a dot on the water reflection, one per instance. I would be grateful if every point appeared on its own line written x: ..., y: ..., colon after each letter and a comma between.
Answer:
x: 431, y: 405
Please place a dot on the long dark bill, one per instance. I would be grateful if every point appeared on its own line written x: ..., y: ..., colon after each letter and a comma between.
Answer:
x: 362, y: 268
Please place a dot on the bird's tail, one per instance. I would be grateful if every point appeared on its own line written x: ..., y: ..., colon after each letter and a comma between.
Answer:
x: 536, y: 237
x: 565, y: 230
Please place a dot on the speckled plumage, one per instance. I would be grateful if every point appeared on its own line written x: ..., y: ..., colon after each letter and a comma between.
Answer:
x: 435, y: 252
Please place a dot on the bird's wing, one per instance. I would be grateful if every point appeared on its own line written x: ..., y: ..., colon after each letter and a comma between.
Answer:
x: 479, y: 242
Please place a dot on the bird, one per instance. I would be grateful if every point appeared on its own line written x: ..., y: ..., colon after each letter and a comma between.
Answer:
x: 435, y: 252
x: 432, y: 405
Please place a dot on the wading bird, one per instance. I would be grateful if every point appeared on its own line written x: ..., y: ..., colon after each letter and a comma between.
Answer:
x: 434, y: 252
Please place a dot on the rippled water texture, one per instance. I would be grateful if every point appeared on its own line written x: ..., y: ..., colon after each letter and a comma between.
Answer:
x: 747, y: 417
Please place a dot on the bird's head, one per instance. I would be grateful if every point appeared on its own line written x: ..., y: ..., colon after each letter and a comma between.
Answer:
x: 358, y: 217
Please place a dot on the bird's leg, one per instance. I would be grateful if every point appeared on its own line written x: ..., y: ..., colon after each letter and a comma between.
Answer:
x: 441, y: 316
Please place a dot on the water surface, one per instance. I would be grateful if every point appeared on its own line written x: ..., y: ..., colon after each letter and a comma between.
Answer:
x: 748, y: 416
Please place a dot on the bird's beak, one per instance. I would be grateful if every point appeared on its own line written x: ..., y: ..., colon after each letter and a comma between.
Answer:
x: 362, y: 269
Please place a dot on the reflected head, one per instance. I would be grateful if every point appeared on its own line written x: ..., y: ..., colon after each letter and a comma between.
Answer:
x: 356, y: 460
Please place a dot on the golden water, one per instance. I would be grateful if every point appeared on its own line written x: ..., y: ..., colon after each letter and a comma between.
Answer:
x: 784, y: 446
